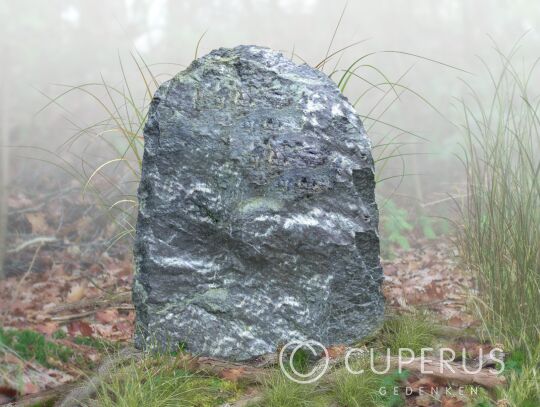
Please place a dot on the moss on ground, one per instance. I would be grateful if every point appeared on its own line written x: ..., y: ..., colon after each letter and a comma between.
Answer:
x: 33, y: 346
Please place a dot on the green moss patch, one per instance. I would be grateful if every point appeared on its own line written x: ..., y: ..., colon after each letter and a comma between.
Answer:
x: 33, y: 346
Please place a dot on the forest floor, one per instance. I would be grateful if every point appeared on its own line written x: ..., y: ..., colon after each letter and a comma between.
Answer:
x: 66, y: 302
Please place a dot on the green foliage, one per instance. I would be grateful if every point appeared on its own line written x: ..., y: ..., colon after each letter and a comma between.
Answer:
x: 182, y: 347
x: 367, y: 389
x: 390, y: 382
x: 411, y: 330
x: 301, y: 360
x: 31, y: 345
x: 279, y: 391
x: 483, y: 403
x: 396, y: 224
x: 427, y: 226
x: 97, y: 343
x: 515, y: 361
x: 160, y: 381
x: 478, y: 398
x: 524, y: 387
x: 60, y: 334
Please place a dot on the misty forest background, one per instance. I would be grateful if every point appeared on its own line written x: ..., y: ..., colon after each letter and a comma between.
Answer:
x: 73, y: 43
x: 448, y: 93
x: 49, y: 47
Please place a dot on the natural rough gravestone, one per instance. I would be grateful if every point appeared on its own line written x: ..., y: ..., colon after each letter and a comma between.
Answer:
x: 257, y: 220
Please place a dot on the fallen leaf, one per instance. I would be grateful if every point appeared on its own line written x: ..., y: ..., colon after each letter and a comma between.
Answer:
x: 5, y: 399
x: 18, y: 201
x: 76, y: 293
x: 95, y: 269
x: 47, y: 328
x: 7, y: 394
x: 80, y: 327
x: 12, y: 359
x: 104, y: 330
x: 30, y: 388
x: 18, y: 308
x: 124, y: 326
x: 38, y: 222
x: 233, y: 374
x: 425, y: 385
x: 107, y: 316
x: 451, y: 402
x: 470, y: 348
x: 424, y: 400
x: 336, y: 351
x: 456, y: 322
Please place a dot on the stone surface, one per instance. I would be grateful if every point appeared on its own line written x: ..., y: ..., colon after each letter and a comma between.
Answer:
x: 257, y: 220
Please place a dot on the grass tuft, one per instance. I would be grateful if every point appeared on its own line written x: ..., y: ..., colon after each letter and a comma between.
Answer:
x: 117, y: 140
x: 367, y: 389
x: 358, y: 390
x: 161, y: 381
x: 410, y: 330
x: 279, y: 391
x: 500, y: 240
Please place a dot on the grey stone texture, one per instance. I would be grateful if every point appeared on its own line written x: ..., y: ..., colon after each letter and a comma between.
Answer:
x: 257, y: 217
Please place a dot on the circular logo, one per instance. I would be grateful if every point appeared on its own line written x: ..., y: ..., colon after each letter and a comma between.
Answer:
x: 287, y: 366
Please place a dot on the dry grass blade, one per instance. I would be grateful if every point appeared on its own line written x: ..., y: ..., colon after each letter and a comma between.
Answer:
x: 501, y: 212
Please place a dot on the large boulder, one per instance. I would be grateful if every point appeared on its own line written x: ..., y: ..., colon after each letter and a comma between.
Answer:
x: 257, y: 220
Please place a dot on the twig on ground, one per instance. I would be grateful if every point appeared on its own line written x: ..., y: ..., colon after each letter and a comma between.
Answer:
x: 73, y: 317
x: 228, y: 370
x: 439, y: 201
x: 40, y: 240
x: 98, y: 303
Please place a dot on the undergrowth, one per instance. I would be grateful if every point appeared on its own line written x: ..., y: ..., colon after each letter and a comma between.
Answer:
x: 280, y: 391
x: 367, y: 389
x: 33, y: 346
x: 397, y: 225
x: 97, y: 343
x: 413, y: 331
x: 500, y: 238
x: 162, y: 381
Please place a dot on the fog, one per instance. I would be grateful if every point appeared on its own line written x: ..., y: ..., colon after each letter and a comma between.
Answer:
x: 454, y: 224
x: 49, y: 44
